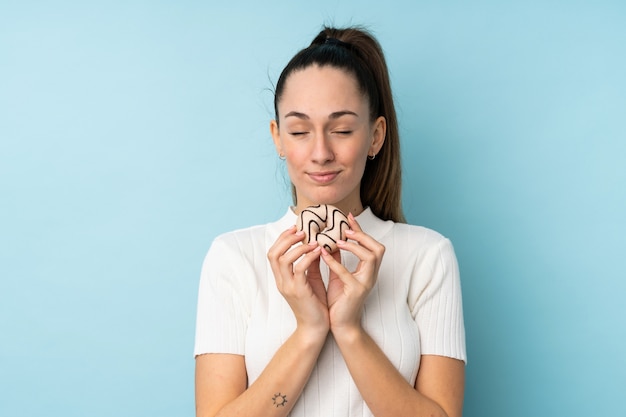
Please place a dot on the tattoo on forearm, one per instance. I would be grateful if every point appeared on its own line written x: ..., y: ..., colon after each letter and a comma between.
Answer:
x: 279, y: 400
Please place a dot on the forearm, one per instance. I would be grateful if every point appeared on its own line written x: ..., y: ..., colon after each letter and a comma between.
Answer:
x: 280, y: 384
x: 383, y: 388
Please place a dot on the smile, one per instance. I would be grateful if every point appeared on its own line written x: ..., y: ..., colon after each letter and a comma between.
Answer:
x: 323, y: 177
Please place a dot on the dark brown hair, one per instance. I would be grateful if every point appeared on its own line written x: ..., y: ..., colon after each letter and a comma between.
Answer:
x: 357, y: 52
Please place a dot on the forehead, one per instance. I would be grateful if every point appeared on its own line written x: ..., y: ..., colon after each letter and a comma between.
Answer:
x: 321, y: 89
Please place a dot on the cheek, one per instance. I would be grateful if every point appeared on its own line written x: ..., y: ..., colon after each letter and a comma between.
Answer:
x: 295, y: 156
x: 358, y: 157
x: 359, y: 166
x: 361, y: 161
x: 295, y: 160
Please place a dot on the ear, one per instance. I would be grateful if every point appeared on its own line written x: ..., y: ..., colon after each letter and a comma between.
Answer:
x: 379, y: 133
x: 276, y: 137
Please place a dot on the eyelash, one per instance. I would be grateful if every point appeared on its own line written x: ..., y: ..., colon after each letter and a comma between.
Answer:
x: 336, y: 132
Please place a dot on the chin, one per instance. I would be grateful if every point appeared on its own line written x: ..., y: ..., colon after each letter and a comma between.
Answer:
x: 331, y: 197
x: 324, y: 200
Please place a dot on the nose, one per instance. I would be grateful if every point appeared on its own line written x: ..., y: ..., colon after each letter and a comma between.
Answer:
x: 322, y: 151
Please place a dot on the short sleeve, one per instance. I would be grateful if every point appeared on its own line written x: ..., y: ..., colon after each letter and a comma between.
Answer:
x: 436, y: 302
x: 224, y: 299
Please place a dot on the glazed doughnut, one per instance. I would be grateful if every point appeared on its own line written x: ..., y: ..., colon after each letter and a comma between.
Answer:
x: 325, y: 224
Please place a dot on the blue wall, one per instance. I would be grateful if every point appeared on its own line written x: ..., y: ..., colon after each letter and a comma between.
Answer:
x: 132, y: 133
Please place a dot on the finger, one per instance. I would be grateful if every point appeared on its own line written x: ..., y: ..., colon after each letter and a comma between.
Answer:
x: 334, y: 264
x: 295, y: 253
x: 294, y: 262
x: 364, y: 240
x: 307, y: 262
x: 360, y: 251
x: 354, y: 225
x: 285, y: 240
x: 290, y: 278
x: 363, y: 247
x: 355, y: 233
x: 363, y: 279
x: 313, y: 269
x: 281, y: 265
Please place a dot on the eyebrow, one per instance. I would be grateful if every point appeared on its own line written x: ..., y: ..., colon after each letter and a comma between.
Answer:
x: 334, y: 115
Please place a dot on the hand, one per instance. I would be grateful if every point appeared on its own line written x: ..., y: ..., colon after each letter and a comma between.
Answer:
x: 297, y: 274
x: 347, y: 290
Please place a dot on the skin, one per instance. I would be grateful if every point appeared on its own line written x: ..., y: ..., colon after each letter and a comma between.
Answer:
x: 325, y: 133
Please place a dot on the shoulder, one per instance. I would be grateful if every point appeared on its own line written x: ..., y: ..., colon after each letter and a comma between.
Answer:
x: 251, y: 241
x: 419, y: 239
x: 419, y: 233
x: 238, y: 248
x: 240, y: 239
x: 419, y: 248
x: 403, y: 238
x: 233, y: 253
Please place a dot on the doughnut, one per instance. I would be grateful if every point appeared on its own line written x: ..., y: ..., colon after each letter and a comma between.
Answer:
x: 325, y: 224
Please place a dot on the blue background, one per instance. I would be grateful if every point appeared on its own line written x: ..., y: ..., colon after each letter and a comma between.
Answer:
x: 133, y: 132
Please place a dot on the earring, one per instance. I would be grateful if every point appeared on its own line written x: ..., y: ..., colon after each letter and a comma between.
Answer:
x: 281, y: 157
x: 371, y: 157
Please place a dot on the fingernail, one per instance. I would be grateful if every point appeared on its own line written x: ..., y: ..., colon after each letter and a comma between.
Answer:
x: 341, y: 242
x: 300, y: 233
x: 349, y: 232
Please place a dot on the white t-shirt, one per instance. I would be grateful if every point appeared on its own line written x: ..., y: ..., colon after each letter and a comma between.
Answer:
x: 414, y: 309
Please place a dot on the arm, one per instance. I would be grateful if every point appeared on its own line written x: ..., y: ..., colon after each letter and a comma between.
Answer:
x: 221, y: 379
x: 438, y: 390
x: 443, y: 379
x: 439, y: 387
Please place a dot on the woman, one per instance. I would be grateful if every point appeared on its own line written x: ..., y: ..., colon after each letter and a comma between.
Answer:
x: 374, y: 329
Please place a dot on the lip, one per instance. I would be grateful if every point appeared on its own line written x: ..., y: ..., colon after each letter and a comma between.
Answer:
x: 323, y: 177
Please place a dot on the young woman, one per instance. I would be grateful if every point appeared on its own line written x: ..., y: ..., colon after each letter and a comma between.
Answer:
x: 374, y: 329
